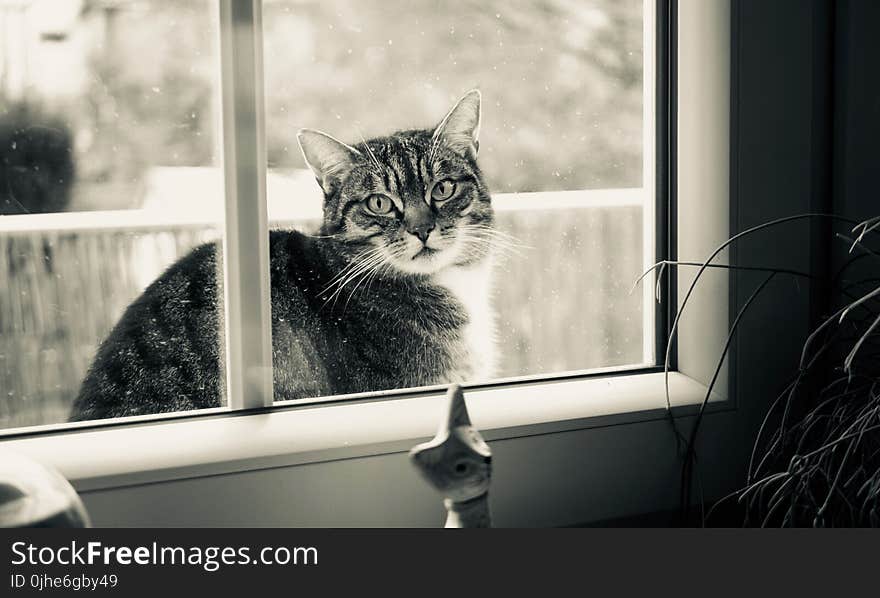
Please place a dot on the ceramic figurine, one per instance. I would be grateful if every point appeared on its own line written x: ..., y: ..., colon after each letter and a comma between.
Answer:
x: 458, y: 463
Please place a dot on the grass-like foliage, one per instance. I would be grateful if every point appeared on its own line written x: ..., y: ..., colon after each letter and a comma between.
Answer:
x: 816, y: 458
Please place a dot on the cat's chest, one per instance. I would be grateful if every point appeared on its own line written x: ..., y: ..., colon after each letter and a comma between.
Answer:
x: 475, y: 353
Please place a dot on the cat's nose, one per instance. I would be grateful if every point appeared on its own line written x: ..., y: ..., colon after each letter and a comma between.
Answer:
x: 419, y: 221
x: 422, y: 232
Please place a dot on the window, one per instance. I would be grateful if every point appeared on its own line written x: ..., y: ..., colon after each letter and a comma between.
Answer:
x: 361, y: 445
x: 567, y: 147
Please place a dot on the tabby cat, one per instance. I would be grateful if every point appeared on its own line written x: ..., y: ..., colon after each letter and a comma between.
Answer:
x: 393, y: 292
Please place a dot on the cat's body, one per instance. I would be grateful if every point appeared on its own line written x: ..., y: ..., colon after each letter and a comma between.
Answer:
x: 321, y: 347
x: 378, y: 300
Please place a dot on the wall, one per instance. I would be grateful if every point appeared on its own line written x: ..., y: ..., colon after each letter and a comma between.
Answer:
x: 857, y: 108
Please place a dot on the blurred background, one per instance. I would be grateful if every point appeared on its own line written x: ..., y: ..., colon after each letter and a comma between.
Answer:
x: 113, y: 105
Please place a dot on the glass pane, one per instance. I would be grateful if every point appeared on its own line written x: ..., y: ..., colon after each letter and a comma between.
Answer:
x: 565, y: 148
x: 110, y: 174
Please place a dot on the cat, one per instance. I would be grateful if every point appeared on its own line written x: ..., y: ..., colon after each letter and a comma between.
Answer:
x: 393, y: 292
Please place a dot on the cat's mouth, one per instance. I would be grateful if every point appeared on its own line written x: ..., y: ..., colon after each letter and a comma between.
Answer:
x: 418, y: 258
x: 425, y: 252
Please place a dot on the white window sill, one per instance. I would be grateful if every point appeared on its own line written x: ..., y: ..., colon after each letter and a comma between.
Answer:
x: 154, y: 452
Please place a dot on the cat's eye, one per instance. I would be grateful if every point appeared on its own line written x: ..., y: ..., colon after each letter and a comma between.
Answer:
x: 379, y: 204
x: 461, y: 467
x: 443, y: 190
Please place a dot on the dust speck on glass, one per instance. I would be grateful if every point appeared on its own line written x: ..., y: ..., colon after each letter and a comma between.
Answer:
x: 424, y: 233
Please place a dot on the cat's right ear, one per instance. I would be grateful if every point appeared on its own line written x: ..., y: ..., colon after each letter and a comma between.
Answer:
x: 330, y: 159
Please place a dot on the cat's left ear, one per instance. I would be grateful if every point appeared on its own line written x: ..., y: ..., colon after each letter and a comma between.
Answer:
x: 460, y: 129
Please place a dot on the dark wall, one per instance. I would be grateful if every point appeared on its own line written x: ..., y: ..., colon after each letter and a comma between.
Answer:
x: 804, y: 139
x: 857, y: 108
x: 781, y: 131
x: 856, y: 143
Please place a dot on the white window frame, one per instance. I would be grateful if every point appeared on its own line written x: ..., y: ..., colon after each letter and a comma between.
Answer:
x: 585, y: 444
x: 247, y: 305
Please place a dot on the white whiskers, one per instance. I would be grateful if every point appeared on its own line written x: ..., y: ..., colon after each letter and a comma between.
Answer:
x: 365, y: 264
x: 484, y: 237
x: 474, y: 242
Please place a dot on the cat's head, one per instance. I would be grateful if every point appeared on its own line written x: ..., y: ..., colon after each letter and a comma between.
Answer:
x: 415, y: 200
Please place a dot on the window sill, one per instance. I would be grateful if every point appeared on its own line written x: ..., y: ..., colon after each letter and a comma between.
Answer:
x: 132, y: 455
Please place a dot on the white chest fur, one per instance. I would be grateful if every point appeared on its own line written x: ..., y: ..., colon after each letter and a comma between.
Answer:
x: 471, y: 286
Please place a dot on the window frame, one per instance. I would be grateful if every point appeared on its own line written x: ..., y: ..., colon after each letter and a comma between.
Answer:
x: 247, y: 304
x: 246, y: 335
x: 220, y: 441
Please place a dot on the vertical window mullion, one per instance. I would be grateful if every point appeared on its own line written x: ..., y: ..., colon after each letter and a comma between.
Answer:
x: 649, y: 165
x: 246, y: 243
